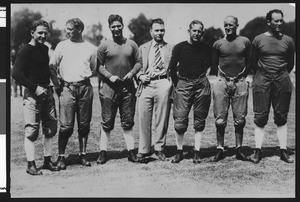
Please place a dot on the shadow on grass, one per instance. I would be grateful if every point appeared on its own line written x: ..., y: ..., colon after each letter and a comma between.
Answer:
x: 188, y: 152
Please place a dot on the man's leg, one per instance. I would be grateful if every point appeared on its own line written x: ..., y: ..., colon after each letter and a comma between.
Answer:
x: 161, y: 114
x: 109, y: 107
x: 220, y: 107
x: 31, y: 108
x: 67, y: 107
x: 127, y: 111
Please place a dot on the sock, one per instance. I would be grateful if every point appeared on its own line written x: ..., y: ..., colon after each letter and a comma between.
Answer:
x: 29, y: 149
x: 259, y: 133
x: 197, y: 140
x: 179, y: 141
x: 104, y: 137
x: 129, y: 138
x: 282, y: 136
x: 47, y: 142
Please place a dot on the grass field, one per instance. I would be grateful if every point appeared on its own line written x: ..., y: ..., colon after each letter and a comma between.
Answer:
x: 121, y: 178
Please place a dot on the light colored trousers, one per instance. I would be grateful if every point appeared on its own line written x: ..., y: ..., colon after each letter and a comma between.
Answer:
x: 154, y: 100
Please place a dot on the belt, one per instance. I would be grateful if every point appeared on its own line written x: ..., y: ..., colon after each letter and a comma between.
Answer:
x: 191, y: 79
x: 77, y: 83
x: 159, y: 77
x: 44, y: 85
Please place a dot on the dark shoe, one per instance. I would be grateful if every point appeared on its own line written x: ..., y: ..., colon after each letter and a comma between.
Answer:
x: 285, y: 157
x: 32, y: 170
x: 196, y: 158
x: 240, y: 155
x: 141, y: 158
x: 178, y: 157
x: 102, y: 157
x: 161, y: 156
x: 49, y: 165
x: 61, y: 163
x: 257, y: 156
x: 132, y: 157
x: 83, y: 161
x: 219, y: 155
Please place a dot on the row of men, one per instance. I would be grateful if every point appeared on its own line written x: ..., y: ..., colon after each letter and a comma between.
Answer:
x: 165, y: 74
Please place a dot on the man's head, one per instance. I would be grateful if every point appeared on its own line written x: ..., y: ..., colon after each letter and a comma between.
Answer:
x: 39, y: 30
x: 116, y: 26
x: 195, y: 31
x: 274, y: 20
x: 157, y: 30
x: 74, y: 28
x: 230, y: 25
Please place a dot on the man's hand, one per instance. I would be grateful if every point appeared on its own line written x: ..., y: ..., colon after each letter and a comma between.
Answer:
x: 128, y: 76
x: 145, y: 78
x: 113, y: 78
x: 40, y: 92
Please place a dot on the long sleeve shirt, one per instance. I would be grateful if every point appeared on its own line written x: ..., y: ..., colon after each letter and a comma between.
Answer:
x: 31, y: 67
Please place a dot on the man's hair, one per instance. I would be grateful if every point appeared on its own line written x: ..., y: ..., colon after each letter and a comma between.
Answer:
x: 269, y: 14
x: 113, y: 18
x: 37, y: 23
x: 236, y: 21
x: 196, y: 22
x: 77, y: 23
x: 157, y: 21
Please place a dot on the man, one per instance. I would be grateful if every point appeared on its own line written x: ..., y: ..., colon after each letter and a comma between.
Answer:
x: 192, y: 87
x: 153, y: 92
x: 272, y: 54
x: 31, y: 69
x: 72, y: 64
x: 231, y: 56
x: 119, y: 62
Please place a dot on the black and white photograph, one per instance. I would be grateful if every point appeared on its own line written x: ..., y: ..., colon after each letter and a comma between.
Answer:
x: 152, y: 100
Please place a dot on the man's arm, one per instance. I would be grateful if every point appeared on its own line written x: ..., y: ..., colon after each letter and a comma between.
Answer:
x: 290, y: 58
x: 253, y: 58
x: 247, y: 58
x: 101, y: 60
x: 215, y: 61
x: 173, y: 65
x: 138, y: 63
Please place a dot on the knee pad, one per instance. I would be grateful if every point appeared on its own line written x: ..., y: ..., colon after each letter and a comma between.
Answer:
x: 180, y: 130
x: 66, y: 132
x: 221, y: 123
x: 199, y: 127
x: 83, y: 131
x: 127, y: 126
x: 50, y: 132
x: 239, y: 123
x: 32, y: 132
x: 261, y: 121
x: 280, y: 120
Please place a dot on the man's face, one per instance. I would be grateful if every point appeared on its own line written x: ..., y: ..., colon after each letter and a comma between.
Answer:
x: 230, y: 26
x: 276, y: 22
x: 72, y: 32
x: 157, y: 32
x: 195, y: 32
x: 40, y: 34
x: 116, y: 29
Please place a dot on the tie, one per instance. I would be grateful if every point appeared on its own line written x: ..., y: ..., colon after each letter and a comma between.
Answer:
x: 158, y: 62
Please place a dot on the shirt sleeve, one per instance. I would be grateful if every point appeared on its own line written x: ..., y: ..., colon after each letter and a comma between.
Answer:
x: 101, y: 53
x: 290, y: 56
x: 18, y: 70
x: 137, y: 59
x: 53, y: 65
x: 140, y: 72
x: 215, y: 58
x: 253, y: 58
x: 247, y: 57
x: 173, y: 64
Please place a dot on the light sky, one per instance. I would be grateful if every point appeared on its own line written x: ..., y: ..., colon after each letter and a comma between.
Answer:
x: 176, y: 16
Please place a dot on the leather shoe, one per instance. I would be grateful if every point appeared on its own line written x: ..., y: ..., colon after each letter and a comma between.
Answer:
x: 141, y: 158
x: 285, y: 157
x: 178, y: 157
x: 32, y: 170
x: 257, y: 156
x: 240, y: 155
x: 102, y: 157
x: 219, y: 155
x: 61, y: 163
x: 83, y: 161
x: 196, y: 158
x: 161, y: 156
x: 49, y: 165
x: 132, y: 157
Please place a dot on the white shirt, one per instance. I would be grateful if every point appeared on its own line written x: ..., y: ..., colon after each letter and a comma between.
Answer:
x: 75, y: 61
